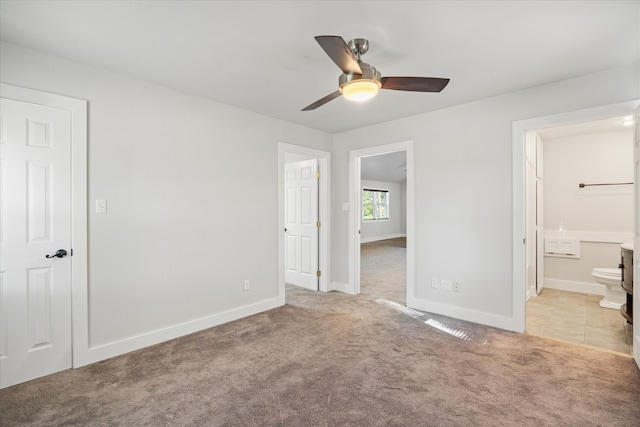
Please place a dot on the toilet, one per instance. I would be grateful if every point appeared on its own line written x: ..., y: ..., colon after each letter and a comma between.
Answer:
x: 614, y: 294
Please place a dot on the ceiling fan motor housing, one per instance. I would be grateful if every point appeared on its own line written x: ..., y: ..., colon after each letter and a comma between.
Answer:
x: 369, y: 73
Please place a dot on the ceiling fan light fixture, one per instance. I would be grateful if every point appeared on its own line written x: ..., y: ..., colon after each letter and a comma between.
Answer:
x: 360, y: 90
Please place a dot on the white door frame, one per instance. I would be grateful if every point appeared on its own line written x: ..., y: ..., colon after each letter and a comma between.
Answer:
x: 354, y: 217
x: 324, y: 214
x: 519, y: 201
x: 635, y: 332
x: 79, y: 276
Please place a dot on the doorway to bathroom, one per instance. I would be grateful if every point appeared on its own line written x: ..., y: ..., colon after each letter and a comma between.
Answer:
x: 573, y: 225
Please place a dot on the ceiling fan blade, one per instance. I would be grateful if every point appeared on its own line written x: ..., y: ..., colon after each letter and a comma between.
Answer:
x: 321, y: 102
x: 414, y: 84
x: 339, y: 52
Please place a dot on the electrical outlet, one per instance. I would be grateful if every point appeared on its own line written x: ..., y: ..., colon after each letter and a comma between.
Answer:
x: 435, y: 282
x: 456, y: 287
x: 247, y: 285
x: 445, y: 285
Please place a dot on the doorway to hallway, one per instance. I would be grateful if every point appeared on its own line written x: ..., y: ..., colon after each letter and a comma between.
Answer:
x: 356, y: 222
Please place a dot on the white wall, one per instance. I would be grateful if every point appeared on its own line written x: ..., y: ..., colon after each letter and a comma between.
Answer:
x: 396, y: 226
x: 575, y: 274
x: 191, y: 188
x: 463, y: 190
x: 177, y: 243
x: 603, y: 157
x: 604, y: 214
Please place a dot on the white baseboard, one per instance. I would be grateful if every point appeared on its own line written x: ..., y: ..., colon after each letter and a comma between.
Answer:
x: 343, y: 287
x: 106, y: 351
x: 568, y: 285
x: 377, y: 238
x: 496, y: 321
x: 530, y: 292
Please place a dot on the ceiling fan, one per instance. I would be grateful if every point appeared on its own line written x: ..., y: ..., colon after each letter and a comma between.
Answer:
x: 360, y: 81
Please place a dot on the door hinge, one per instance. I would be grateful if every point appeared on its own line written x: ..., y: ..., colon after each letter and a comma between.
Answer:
x: 318, y: 273
x: 318, y: 174
x: 318, y: 224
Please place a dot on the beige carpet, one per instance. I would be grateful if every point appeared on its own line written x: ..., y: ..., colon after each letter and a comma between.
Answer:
x: 383, y: 269
x: 339, y: 360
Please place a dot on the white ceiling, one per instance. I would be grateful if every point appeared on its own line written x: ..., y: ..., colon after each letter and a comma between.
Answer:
x: 390, y: 167
x: 261, y: 56
x: 594, y: 126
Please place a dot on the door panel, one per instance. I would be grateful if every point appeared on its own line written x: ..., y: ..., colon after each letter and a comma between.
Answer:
x: 306, y: 251
x: 38, y: 215
x: 35, y: 209
x: 301, y: 216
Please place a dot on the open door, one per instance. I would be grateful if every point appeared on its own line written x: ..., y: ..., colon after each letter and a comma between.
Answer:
x: 539, y: 216
x: 636, y: 237
x: 534, y: 241
x: 301, y: 224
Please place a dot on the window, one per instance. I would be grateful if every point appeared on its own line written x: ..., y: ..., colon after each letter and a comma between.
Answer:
x: 375, y: 204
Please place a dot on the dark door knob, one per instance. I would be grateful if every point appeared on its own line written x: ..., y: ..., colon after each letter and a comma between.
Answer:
x: 60, y: 253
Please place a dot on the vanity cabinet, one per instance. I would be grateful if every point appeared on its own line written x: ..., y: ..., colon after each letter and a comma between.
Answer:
x: 626, y: 265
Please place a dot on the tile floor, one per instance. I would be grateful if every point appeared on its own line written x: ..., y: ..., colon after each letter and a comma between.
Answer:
x: 578, y: 318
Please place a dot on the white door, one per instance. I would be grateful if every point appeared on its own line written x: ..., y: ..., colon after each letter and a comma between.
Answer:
x: 35, y: 219
x: 539, y: 216
x: 534, y: 242
x: 301, y: 223
x: 636, y: 240
x: 530, y: 213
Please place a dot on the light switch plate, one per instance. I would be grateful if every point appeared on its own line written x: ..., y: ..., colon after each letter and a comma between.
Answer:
x: 101, y: 206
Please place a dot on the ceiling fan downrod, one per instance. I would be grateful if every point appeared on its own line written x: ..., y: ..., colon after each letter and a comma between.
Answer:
x: 359, y: 47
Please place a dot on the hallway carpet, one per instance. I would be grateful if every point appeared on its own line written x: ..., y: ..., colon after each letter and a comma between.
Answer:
x: 330, y: 359
x: 383, y: 269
